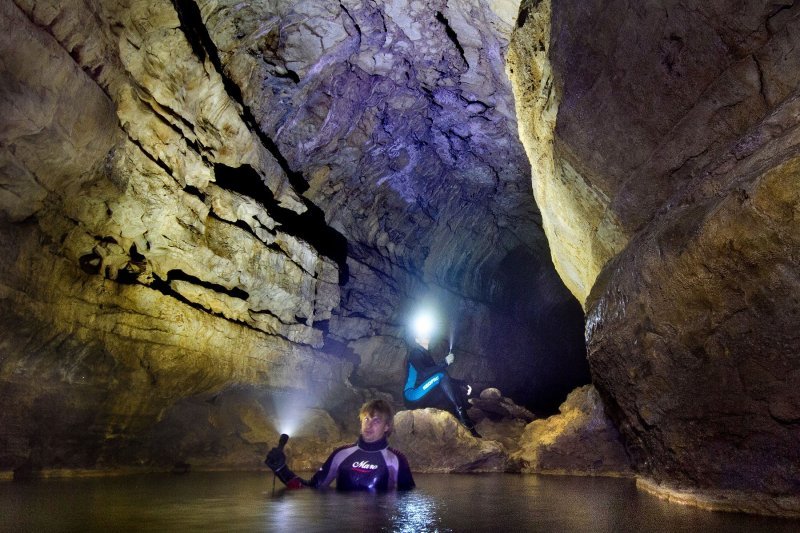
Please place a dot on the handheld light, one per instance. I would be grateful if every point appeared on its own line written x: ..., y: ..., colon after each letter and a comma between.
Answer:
x: 284, y: 438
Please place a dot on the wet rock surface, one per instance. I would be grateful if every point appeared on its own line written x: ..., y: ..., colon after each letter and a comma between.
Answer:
x: 581, y: 440
x: 667, y: 151
x: 435, y: 441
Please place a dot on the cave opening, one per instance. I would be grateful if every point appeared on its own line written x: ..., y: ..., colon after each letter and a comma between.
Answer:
x: 537, y: 330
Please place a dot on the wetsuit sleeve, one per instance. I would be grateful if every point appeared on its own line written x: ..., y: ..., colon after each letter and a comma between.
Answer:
x: 405, y: 481
x: 289, y: 478
x: 320, y: 479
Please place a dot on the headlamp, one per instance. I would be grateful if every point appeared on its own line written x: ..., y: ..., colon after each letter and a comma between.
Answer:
x: 423, y: 325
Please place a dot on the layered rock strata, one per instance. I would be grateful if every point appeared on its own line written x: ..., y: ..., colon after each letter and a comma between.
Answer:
x: 665, y: 149
x: 139, y: 268
x: 209, y: 206
x: 400, y: 120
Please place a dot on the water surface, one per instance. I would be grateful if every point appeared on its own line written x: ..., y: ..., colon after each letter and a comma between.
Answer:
x: 245, y: 502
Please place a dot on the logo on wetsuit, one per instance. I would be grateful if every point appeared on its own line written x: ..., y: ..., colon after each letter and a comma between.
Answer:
x: 431, y: 382
x: 364, y: 466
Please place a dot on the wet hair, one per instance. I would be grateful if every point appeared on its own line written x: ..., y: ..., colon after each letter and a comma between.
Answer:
x: 379, y: 407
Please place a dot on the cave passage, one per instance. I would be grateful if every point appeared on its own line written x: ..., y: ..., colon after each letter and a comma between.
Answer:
x: 210, y: 207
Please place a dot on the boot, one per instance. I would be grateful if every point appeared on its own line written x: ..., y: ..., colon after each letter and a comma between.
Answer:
x: 465, y: 420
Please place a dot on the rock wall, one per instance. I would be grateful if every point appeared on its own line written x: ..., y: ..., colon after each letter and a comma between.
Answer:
x: 584, y: 234
x: 137, y: 268
x: 400, y: 119
x: 210, y: 206
x: 665, y: 148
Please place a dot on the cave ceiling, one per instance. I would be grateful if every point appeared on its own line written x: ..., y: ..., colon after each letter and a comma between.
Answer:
x: 397, y: 118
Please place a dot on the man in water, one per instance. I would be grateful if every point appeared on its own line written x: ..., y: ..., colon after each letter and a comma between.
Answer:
x: 369, y: 464
x: 429, y: 385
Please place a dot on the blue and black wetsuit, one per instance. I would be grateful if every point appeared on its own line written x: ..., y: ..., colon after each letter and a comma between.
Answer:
x: 423, y: 379
x: 361, y: 466
x: 429, y: 385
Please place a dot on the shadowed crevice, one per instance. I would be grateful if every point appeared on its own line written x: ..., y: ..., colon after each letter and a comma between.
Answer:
x: 309, y: 226
x: 452, y: 35
x: 203, y: 46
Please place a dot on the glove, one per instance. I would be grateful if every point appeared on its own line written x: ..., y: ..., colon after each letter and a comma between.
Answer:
x: 449, y: 359
x: 276, y: 459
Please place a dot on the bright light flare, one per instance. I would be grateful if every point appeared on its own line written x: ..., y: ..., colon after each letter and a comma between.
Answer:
x: 288, y: 423
x: 423, y: 324
x: 290, y: 411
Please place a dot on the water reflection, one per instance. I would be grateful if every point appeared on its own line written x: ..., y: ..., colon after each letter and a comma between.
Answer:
x: 416, y: 511
x: 441, y: 503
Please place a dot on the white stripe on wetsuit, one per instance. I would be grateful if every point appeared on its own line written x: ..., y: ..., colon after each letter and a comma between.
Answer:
x: 333, y: 471
x: 392, y: 465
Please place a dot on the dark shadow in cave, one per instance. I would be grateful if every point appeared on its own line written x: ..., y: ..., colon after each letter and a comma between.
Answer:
x: 537, y: 332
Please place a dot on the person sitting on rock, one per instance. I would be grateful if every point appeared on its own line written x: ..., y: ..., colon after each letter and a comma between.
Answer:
x: 367, y: 465
x: 428, y: 383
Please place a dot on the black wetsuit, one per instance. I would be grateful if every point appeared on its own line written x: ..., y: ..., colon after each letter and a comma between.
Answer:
x: 429, y: 385
x: 360, y: 466
x: 423, y: 376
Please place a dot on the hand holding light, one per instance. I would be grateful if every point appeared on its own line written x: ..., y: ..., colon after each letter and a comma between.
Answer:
x: 450, y: 358
x: 276, y: 459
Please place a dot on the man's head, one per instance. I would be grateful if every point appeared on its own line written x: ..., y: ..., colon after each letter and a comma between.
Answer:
x: 377, y: 420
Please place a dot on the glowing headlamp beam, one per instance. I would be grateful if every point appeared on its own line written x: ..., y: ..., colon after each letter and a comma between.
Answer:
x: 423, y: 325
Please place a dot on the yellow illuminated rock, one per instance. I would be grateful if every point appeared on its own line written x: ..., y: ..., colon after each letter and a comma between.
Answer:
x: 579, y: 440
x: 581, y: 230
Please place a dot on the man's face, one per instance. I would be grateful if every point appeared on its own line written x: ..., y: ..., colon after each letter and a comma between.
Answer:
x: 373, y: 427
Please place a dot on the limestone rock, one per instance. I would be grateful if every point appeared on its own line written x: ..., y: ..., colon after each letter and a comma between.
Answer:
x: 491, y: 393
x: 235, y: 429
x: 507, y: 432
x: 397, y: 116
x: 583, y: 234
x: 201, y: 196
x: 127, y: 274
x: 580, y: 440
x: 670, y: 134
x: 710, y: 357
x: 493, y: 405
x: 434, y: 441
